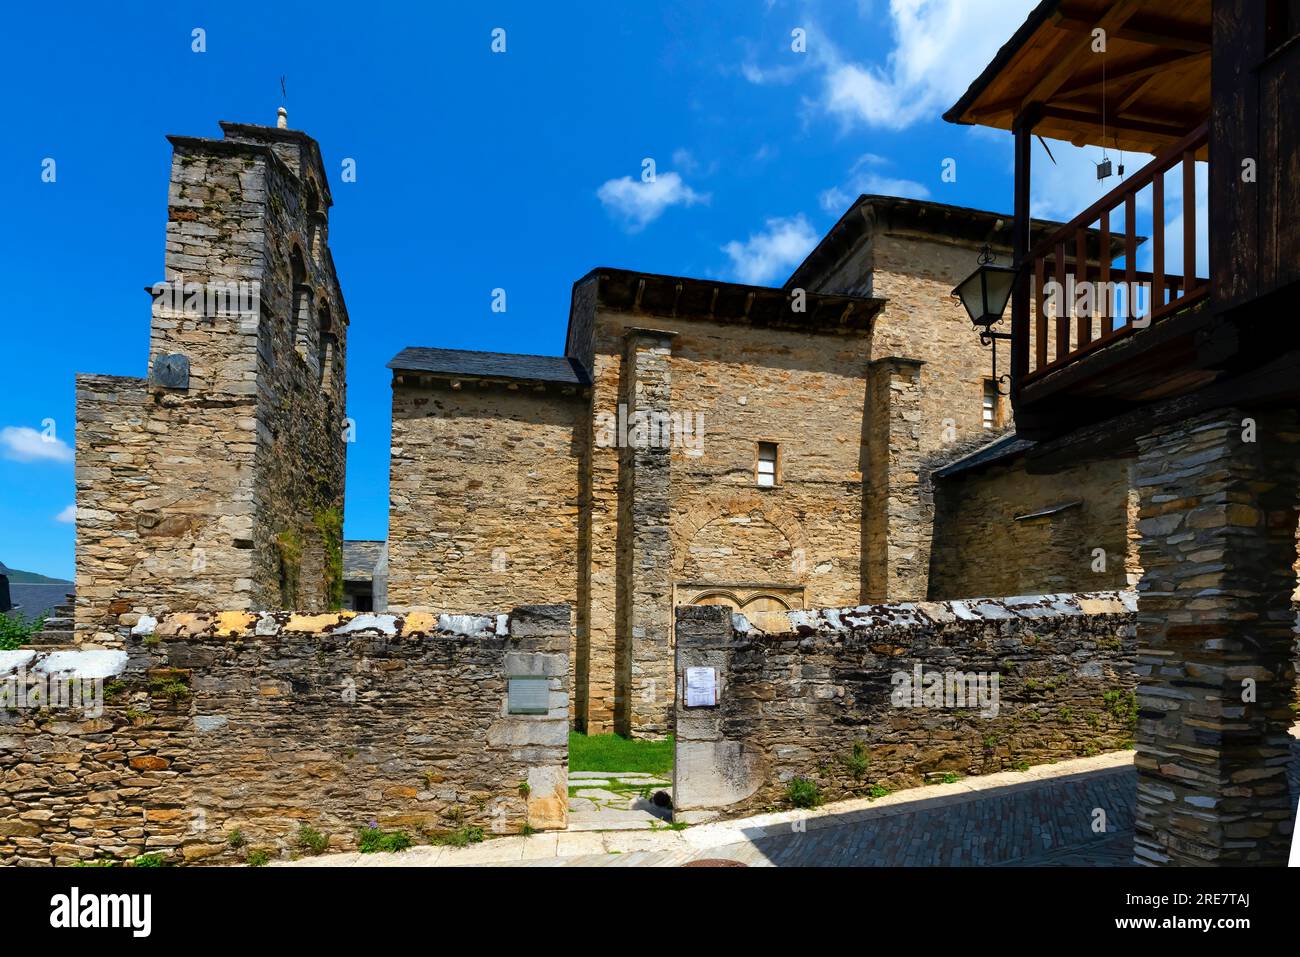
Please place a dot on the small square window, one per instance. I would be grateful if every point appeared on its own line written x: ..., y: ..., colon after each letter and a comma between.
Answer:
x: 528, y: 694
x: 768, y: 459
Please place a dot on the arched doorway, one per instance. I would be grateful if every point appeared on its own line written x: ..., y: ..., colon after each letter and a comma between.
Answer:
x: 764, y: 605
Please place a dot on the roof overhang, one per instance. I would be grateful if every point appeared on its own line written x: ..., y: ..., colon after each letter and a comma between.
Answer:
x: 1148, y: 89
x: 728, y: 303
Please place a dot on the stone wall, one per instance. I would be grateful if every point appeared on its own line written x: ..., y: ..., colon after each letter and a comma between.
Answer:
x: 483, y: 496
x: 1001, y: 530
x: 301, y: 396
x: 1216, y: 630
x: 815, y: 702
x: 806, y: 393
x: 164, y: 492
x: 915, y: 273
x: 222, y: 485
x: 262, y: 723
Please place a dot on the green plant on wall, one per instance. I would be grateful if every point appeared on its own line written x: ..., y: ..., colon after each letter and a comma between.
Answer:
x: 15, y: 630
x: 289, y: 545
x: 858, y: 760
x: 803, y: 793
x: 329, y: 522
x: 1123, y: 705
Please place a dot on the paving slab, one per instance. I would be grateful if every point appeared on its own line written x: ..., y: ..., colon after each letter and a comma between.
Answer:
x: 1040, y: 817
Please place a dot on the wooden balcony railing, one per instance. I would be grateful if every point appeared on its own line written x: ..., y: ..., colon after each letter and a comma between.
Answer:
x: 1070, y: 321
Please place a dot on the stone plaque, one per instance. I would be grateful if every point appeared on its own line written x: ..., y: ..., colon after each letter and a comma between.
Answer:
x: 528, y: 694
x: 701, y: 687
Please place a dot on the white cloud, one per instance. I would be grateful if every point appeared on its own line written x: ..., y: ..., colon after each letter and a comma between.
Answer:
x: 684, y: 159
x: 23, y: 444
x: 939, y: 47
x: 769, y: 76
x: 765, y: 255
x: 639, y: 203
x: 865, y: 178
x: 68, y: 515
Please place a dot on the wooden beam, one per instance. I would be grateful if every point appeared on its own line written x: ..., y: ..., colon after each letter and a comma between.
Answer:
x: 1149, y: 68
x: 1150, y: 31
x: 1049, y: 83
x: 1276, y: 382
x: 1145, y: 129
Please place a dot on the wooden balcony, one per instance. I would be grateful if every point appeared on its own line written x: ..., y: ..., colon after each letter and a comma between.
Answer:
x: 1190, y: 304
x: 1085, y: 301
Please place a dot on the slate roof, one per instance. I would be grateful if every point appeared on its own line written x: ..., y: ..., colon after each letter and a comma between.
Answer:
x: 492, y: 365
x: 360, y: 559
x: 1007, y: 447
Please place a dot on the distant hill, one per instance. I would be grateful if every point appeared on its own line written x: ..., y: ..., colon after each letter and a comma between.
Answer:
x: 32, y: 578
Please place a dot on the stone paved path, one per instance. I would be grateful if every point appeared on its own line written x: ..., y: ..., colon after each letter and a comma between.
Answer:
x: 1040, y: 817
x: 615, y: 801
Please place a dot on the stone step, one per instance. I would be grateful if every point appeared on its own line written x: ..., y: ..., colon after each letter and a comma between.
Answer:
x: 53, y: 637
x: 58, y: 624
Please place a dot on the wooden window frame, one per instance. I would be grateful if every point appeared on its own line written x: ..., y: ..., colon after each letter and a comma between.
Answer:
x: 776, y: 463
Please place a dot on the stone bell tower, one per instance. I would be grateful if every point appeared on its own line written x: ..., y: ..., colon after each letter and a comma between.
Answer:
x: 217, y: 482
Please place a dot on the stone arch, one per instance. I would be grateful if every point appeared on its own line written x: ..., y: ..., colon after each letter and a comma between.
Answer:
x: 709, y: 509
x: 315, y: 219
x: 299, y: 291
x: 326, y: 343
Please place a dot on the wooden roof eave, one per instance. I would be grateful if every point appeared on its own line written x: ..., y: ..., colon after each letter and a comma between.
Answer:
x: 1156, y: 82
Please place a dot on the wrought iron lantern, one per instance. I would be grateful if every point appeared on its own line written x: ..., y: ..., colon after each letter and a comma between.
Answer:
x: 984, y: 294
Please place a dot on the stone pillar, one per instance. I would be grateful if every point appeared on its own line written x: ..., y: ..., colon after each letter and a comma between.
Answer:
x: 644, y: 690
x: 898, y: 514
x: 710, y: 771
x: 541, y: 636
x: 1217, y: 523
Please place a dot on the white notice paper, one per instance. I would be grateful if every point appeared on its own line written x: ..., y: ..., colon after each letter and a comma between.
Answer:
x: 701, y: 687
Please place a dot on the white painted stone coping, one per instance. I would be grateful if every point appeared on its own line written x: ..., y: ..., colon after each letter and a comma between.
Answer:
x: 85, y: 664
x: 928, y: 613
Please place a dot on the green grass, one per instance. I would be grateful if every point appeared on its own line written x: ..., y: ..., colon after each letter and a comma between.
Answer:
x: 612, y: 752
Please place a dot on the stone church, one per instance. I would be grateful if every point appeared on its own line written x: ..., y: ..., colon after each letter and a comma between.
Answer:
x: 768, y: 449
x: 833, y: 441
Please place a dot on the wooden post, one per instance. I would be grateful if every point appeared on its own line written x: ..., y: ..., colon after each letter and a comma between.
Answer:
x: 1130, y: 257
x: 1083, y: 322
x: 1189, y: 221
x: 1023, y: 128
x: 1158, y: 241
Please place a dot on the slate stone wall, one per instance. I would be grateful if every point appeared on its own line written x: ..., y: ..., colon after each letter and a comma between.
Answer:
x: 1004, y: 531
x: 817, y: 701
x: 230, y: 722
x: 483, y: 496
x: 223, y: 487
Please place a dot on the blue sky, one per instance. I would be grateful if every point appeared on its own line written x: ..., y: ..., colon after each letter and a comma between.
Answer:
x: 520, y: 170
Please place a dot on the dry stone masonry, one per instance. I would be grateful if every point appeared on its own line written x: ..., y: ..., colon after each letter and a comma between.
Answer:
x: 816, y: 703
x: 222, y: 733
x: 1215, y: 630
x: 862, y: 371
x: 218, y: 480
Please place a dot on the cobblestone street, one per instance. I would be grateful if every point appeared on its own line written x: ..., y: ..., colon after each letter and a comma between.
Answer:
x: 1042, y: 817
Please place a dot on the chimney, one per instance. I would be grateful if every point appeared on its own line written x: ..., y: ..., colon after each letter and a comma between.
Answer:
x: 282, y: 118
